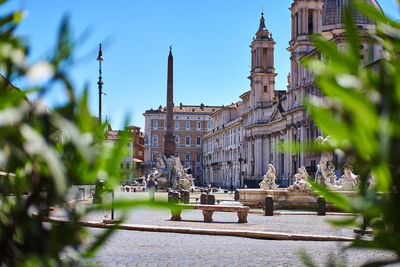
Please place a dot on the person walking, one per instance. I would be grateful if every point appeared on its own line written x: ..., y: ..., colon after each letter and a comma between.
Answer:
x: 151, y: 186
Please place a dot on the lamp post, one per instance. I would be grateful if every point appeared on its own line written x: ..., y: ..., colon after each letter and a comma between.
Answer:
x: 240, y: 165
x: 100, y: 82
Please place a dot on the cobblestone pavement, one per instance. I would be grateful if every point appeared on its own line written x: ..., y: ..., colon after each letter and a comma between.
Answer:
x: 293, y: 224
x: 131, y: 248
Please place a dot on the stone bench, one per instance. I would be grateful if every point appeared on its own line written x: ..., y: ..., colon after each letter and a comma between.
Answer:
x: 208, y: 211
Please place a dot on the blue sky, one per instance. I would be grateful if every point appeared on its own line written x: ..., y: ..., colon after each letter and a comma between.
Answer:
x: 210, y: 42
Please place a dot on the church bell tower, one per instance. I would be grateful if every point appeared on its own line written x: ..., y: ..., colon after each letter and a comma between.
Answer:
x: 262, y: 75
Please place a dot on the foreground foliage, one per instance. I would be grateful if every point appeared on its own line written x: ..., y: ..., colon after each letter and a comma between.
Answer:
x: 361, y: 113
x: 43, y: 152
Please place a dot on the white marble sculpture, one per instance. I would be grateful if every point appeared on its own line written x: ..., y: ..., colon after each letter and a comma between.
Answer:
x: 349, y: 181
x: 325, y: 169
x: 269, y: 179
x: 172, y: 171
x: 301, y: 184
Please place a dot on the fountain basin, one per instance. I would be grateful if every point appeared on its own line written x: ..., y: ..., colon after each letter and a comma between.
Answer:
x: 284, y: 199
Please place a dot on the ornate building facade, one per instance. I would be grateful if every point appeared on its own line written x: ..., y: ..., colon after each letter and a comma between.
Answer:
x: 267, y: 117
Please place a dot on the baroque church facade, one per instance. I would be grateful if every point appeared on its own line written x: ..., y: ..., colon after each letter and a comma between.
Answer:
x: 240, y: 145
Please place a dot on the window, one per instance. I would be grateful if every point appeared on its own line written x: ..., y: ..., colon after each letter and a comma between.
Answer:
x: 187, y: 157
x: 154, y: 157
x: 198, y: 157
x: 122, y: 166
x: 155, y: 124
x: 188, y: 125
x: 198, y: 140
x: 155, y: 140
x: 177, y: 140
x: 310, y: 22
x: 199, y: 125
x: 140, y: 153
x: 127, y: 166
x: 208, y: 124
x: 177, y: 125
x: 187, y: 140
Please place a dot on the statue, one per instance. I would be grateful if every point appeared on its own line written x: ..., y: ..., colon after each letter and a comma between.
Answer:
x: 325, y: 169
x: 172, y: 173
x: 349, y: 180
x: 301, y: 184
x: 269, y: 179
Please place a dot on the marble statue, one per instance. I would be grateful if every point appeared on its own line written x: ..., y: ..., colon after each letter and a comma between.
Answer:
x: 325, y: 169
x: 301, y: 184
x: 172, y: 173
x: 269, y: 179
x: 349, y: 181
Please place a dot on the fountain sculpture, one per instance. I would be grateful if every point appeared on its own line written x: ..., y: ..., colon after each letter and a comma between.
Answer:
x: 172, y: 173
x: 301, y: 184
x: 269, y: 179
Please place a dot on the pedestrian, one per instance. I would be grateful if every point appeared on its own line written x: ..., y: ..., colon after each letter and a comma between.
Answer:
x: 151, y: 186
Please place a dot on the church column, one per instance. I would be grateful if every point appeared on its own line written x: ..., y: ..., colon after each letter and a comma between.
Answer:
x: 293, y: 27
x: 273, y: 150
x: 306, y: 21
x: 319, y: 18
x: 266, y: 154
x: 300, y: 73
x: 301, y: 21
x: 289, y: 156
x: 303, y: 141
x: 258, y: 157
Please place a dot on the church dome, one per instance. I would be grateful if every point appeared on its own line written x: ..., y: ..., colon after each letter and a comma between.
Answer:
x: 332, y: 11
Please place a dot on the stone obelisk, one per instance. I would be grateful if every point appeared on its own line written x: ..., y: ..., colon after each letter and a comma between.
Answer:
x: 169, y: 138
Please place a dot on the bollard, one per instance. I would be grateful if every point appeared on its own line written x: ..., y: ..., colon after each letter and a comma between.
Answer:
x: 181, y: 196
x: 186, y: 199
x: 211, y: 200
x: 170, y: 195
x: 321, y: 206
x: 237, y: 196
x: 175, y: 197
x: 269, y: 206
x: 97, y: 198
x: 203, y: 198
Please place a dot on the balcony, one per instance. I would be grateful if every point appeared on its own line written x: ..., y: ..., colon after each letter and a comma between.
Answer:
x: 216, y: 164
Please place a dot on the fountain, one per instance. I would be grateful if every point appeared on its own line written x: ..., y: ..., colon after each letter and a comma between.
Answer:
x: 171, y: 173
x: 299, y: 195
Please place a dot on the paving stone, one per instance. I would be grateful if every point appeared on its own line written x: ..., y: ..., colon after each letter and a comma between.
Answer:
x: 131, y: 248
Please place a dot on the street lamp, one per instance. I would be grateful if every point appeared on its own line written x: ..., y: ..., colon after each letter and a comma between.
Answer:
x: 100, y: 82
x: 240, y: 165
